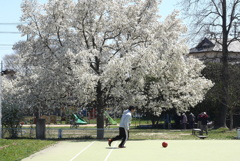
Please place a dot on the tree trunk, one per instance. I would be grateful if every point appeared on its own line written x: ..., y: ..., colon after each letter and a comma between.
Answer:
x: 37, y: 113
x: 225, y: 74
x: 100, y: 112
x: 231, y: 118
x: 153, y: 123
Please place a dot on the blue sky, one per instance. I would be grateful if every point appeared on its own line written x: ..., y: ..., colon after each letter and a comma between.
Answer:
x: 10, y: 14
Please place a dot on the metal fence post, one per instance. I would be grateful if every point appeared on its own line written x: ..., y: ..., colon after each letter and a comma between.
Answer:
x: 59, y: 133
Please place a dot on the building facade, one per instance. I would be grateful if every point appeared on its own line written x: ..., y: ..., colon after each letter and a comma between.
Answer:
x: 211, y: 51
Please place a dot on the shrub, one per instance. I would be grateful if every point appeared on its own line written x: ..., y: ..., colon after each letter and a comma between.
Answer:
x: 11, y: 117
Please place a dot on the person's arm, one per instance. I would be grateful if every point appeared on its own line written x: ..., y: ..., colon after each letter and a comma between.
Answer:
x: 127, y: 121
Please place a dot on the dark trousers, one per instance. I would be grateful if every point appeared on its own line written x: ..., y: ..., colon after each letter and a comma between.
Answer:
x: 191, y: 125
x: 123, y: 134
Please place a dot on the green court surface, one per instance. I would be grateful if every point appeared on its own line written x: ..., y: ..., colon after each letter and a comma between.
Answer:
x: 146, y: 150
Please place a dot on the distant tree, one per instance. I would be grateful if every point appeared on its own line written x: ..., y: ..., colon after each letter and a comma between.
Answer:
x: 213, y: 96
x: 215, y: 19
x: 9, y: 62
x: 12, y: 62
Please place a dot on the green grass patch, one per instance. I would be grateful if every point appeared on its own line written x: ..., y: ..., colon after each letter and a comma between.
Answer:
x: 155, y: 134
x: 16, y: 150
x: 151, y: 134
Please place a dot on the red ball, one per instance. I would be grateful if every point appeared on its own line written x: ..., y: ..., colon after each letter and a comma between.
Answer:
x: 164, y: 144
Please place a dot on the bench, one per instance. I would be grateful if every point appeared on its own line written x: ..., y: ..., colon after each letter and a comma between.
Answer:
x: 195, y: 130
x: 202, y: 136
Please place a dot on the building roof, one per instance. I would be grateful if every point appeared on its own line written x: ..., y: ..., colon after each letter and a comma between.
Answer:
x: 207, y: 45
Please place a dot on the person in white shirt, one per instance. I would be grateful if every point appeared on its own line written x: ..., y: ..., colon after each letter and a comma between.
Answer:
x: 123, y: 127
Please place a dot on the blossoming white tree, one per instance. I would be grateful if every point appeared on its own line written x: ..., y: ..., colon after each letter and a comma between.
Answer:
x: 12, y: 105
x: 101, y: 52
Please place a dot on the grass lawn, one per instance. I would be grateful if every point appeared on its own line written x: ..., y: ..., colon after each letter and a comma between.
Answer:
x: 154, y: 134
x: 17, y: 149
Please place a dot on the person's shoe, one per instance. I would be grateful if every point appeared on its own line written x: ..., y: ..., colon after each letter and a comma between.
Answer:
x: 109, y: 142
x: 121, y: 146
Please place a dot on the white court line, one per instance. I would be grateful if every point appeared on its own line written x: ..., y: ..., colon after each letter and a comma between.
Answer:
x: 82, y: 151
x: 110, y: 152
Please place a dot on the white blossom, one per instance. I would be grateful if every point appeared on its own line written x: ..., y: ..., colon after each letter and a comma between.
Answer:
x: 121, y: 47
